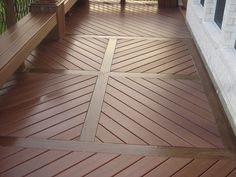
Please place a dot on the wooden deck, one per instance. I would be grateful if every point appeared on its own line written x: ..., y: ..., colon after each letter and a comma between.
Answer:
x: 124, y: 93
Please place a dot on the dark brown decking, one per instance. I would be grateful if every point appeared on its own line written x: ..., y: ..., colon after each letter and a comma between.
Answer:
x: 123, y: 94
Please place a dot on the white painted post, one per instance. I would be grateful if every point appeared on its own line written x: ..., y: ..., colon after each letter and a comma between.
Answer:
x: 229, y: 24
x: 209, y: 10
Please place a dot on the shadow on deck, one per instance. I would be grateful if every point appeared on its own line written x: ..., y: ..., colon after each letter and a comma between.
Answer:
x: 124, y: 93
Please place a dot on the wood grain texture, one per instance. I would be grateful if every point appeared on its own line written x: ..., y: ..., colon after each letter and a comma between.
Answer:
x: 122, y: 94
x: 69, y: 53
x: 140, y: 111
x: 17, y: 46
x: 72, y: 163
x: 107, y: 19
x: 128, y: 149
x: 56, y: 110
x: 144, y: 56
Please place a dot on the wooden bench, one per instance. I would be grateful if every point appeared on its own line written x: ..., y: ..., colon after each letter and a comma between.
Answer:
x: 68, y: 4
x: 167, y: 3
x: 19, y: 40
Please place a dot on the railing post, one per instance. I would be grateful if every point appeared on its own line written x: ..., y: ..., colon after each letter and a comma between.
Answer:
x: 122, y: 2
x: 167, y: 3
x: 11, y: 16
x: 57, y: 6
x: 82, y: 2
x: 22, y: 67
x: 60, y: 30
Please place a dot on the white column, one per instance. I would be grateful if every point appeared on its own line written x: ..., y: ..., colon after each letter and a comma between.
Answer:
x: 190, y: 2
x: 229, y: 24
x: 209, y: 10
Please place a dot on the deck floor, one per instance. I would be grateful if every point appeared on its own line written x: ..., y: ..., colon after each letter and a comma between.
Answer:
x: 124, y: 93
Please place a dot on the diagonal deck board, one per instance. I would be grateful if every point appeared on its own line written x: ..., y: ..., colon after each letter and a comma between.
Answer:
x: 124, y: 93
x: 129, y: 22
x: 72, y: 163
x: 140, y: 108
x: 69, y: 53
x: 167, y: 56
x: 47, y: 111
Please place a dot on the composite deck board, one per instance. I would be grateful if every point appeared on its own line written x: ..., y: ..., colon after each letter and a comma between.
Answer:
x: 169, y: 167
x: 120, y: 131
x: 69, y: 134
x: 216, y: 170
x: 232, y: 174
x: 39, y: 161
x: 82, y: 85
x: 105, y: 135
x: 8, y: 151
x: 128, y: 22
x: 170, y: 99
x: 18, y: 158
x: 121, y: 94
x: 69, y: 53
x: 23, y: 127
x: 156, y: 102
x: 134, y: 111
x: 169, y: 89
x: 165, y: 56
x: 196, y: 168
x: 152, y: 49
x: 31, y: 97
x: 53, y: 114
x: 70, y: 163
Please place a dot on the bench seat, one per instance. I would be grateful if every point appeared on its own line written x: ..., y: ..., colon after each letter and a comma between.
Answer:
x: 18, y: 41
x: 69, y: 4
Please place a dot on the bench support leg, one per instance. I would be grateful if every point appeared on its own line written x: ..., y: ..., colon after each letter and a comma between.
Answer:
x: 10, y: 12
x: 56, y: 6
x: 122, y: 1
x: 60, y: 22
x: 21, y: 68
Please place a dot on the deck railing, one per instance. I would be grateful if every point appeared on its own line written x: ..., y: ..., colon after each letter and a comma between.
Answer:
x: 3, y: 23
x: 21, y: 8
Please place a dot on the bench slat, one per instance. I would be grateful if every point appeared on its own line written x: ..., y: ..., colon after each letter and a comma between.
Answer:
x: 29, y: 41
x: 14, y: 44
x: 69, y: 4
x: 7, y: 40
x: 17, y: 42
x: 15, y: 27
